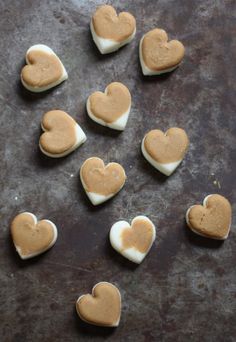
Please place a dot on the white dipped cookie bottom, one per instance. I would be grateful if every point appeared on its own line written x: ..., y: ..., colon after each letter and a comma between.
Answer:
x: 167, y: 168
x: 95, y: 198
x: 105, y: 45
x: 80, y: 139
x: 119, y: 124
x: 131, y: 253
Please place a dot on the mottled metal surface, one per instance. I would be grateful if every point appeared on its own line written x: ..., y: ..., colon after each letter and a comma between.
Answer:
x: 185, y: 288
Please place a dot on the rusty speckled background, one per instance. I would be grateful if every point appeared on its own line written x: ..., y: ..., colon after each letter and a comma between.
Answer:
x: 185, y: 289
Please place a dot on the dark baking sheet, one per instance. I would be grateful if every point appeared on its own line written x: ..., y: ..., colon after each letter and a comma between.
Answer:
x: 185, y: 288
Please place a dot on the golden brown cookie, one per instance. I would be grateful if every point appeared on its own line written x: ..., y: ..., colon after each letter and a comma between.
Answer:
x: 44, y: 69
x: 62, y: 134
x: 165, y: 151
x: 157, y: 55
x: 31, y: 237
x: 112, y: 107
x: 101, y: 182
x: 102, y: 307
x: 212, y: 219
x: 111, y: 31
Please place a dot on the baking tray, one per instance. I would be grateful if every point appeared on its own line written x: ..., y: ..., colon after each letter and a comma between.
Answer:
x: 185, y: 288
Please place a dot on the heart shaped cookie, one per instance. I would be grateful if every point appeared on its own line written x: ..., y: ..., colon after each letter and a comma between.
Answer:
x: 112, y: 108
x: 43, y: 71
x: 157, y: 55
x: 212, y: 219
x: 111, y: 31
x: 62, y: 134
x: 165, y: 151
x: 135, y: 241
x: 102, y: 307
x: 31, y: 237
x: 101, y: 182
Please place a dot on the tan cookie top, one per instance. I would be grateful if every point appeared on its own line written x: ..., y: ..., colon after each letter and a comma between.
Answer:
x: 30, y: 237
x: 101, y: 179
x: 159, y: 54
x: 107, y: 24
x: 139, y: 236
x: 166, y: 147
x: 102, y: 307
x: 213, y: 219
x: 60, y: 133
x: 43, y: 69
x: 111, y: 105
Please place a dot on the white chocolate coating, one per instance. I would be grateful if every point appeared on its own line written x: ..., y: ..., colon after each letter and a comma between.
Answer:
x: 116, y: 241
x: 108, y: 45
x: 80, y: 139
x: 167, y: 168
x: 97, y: 198
x: 119, y: 124
x: 44, y: 48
